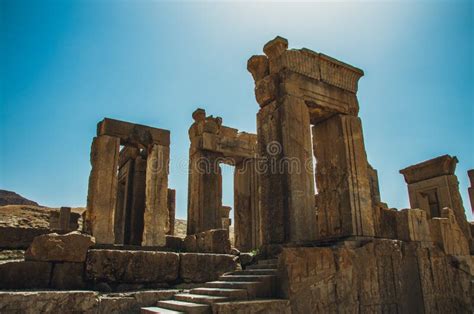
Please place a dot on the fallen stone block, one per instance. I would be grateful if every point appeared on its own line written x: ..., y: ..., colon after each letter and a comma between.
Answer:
x: 210, y: 241
x: 117, y: 266
x: 70, y: 247
x: 24, y: 275
x: 196, y: 267
x: 49, y: 302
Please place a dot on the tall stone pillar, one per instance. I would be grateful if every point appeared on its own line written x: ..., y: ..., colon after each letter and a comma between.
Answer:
x: 246, y: 206
x: 342, y: 179
x: 204, y: 193
x: 102, y: 194
x: 156, y: 220
x: 273, y: 203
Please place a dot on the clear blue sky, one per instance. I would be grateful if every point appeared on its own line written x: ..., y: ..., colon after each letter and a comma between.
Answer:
x: 67, y: 64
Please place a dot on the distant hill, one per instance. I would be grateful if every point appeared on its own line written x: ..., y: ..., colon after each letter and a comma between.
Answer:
x: 11, y: 198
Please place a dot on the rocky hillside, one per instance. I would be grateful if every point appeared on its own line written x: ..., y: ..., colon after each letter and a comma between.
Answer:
x: 12, y: 198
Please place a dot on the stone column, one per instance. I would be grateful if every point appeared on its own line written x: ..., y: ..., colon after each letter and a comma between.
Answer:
x: 344, y: 196
x: 246, y: 207
x: 102, y: 194
x: 273, y: 202
x: 156, y: 220
x: 204, y: 192
x: 137, y: 206
x: 297, y: 166
x: 171, y: 210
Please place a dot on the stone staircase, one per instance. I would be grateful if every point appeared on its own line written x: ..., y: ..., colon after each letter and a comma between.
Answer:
x: 256, y: 282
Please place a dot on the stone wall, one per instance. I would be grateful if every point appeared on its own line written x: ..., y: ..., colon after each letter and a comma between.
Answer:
x: 116, y: 270
x: 89, y: 302
x: 382, y: 276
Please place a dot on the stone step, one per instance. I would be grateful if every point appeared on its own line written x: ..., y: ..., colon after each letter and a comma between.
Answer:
x: 254, y: 272
x: 262, y: 266
x: 186, y: 307
x: 200, y: 298
x: 255, y: 289
x: 156, y: 310
x: 246, y: 277
x: 231, y: 294
x: 268, y: 261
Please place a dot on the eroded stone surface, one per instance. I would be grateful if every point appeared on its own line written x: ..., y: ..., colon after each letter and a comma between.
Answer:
x: 49, y: 302
x: 102, y: 193
x: 70, y: 247
x: 211, y: 241
x: 383, y: 275
x: 132, y: 266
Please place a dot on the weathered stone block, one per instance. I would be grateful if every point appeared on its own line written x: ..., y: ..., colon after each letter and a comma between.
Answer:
x: 275, y: 47
x: 68, y: 276
x: 119, y: 266
x: 174, y: 243
x: 266, y: 90
x: 447, y: 234
x: 86, y: 302
x: 412, y: 225
x: 258, y: 67
x: 386, y: 227
x: 24, y: 275
x: 70, y: 247
x: 131, y: 133
x: 210, y: 241
x: 197, y: 267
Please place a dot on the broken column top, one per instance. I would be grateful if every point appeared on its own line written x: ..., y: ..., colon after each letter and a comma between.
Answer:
x: 133, y: 134
x: 439, y: 166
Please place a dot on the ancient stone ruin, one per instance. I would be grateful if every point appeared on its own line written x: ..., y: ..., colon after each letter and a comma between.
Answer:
x: 307, y: 239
